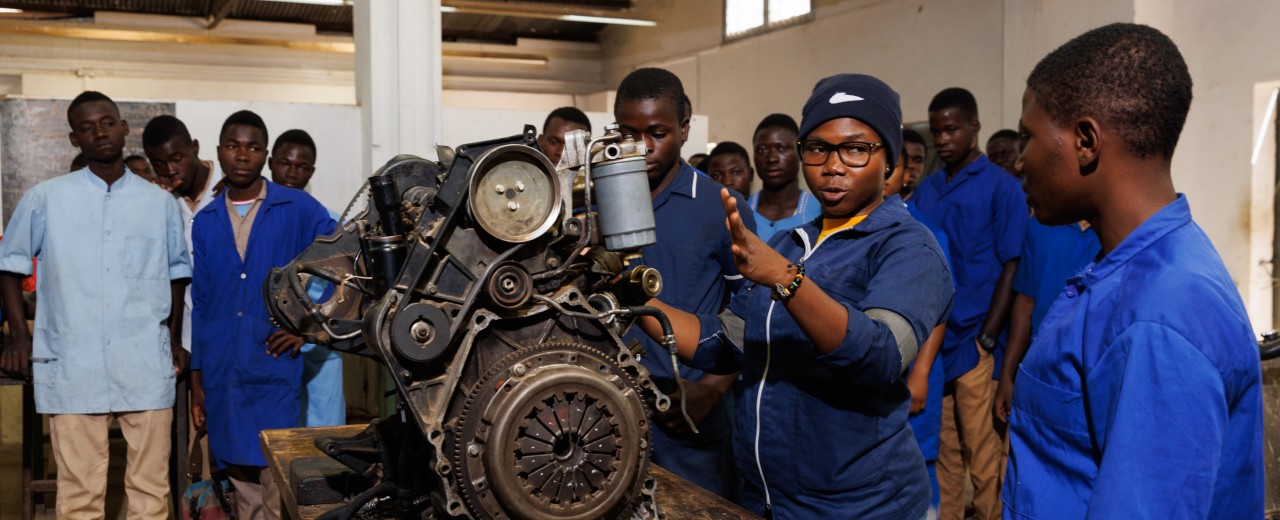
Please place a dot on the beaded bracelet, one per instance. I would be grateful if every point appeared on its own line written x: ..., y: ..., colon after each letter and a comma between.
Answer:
x: 782, y: 294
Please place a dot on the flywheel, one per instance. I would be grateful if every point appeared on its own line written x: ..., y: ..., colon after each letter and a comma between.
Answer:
x: 556, y: 431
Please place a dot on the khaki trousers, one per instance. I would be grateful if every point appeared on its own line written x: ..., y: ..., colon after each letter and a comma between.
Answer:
x: 257, y: 495
x: 80, y: 451
x: 969, y: 435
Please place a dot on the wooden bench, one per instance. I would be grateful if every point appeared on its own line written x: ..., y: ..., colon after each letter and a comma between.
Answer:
x: 677, y: 498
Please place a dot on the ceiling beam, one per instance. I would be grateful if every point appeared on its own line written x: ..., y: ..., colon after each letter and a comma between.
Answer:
x: 222, y: 12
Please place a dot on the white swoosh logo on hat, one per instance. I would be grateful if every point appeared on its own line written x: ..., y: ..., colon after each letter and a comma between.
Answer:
x: 841, y: 97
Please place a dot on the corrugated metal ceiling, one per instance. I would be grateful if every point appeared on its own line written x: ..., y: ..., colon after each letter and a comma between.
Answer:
x: 338, y: 19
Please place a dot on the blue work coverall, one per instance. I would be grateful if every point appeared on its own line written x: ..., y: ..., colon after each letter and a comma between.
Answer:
x: 826, y: 435
x: 246, y: 389
x: 1141, y: 396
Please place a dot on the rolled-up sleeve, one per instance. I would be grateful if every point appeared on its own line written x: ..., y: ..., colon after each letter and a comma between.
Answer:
x: 719, y: 344
x: 1010, y: 220
x: 24, y: 234
x: 909, y: 294
x: 175, y: 235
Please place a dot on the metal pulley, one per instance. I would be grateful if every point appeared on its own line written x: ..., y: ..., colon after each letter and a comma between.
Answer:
x: 515, y: 194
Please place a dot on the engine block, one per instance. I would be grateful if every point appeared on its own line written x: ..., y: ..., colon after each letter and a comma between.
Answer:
x: 495, y: 288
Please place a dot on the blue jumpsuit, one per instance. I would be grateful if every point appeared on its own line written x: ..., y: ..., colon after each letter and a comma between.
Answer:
x: 1141, y: 395
x: 826, y: 435
x: 246, y: 390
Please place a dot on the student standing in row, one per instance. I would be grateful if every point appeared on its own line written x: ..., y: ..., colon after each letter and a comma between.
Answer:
x: 107, y: 343
x: 730, y: 165
x: 292, y: 164
x: 982, y: 210
x: 245, y: 375
x: 698, y: 274
x: 1141, y: 396
x: 780, y: 204
x: 559, y: 122
x: 175, y: 156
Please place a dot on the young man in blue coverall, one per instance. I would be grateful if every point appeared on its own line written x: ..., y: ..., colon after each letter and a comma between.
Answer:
x: 1141, y: 395
x: 245, y: 373
x: 698, y: 274
x: 981, y: 208
x: 107, y: 342
x: 1050, y: 255
x: 292, y: 163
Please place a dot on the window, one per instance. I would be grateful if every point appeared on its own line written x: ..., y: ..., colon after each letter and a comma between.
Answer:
x: 747, y: 17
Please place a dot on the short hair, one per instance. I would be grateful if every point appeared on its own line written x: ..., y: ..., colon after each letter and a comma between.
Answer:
x: 570, y: 114
x: 135, y: 157
x: 651, y: 83
x: 89, y: 96
x: 1003, y: 133
x: 295, y: 136
x: 911, y: 136
x: 728, y: 148
x: 955, y: 97
x: 162, y: 129
x: 1129, y: 77
x: 245, y: 118
x: 782, y: 121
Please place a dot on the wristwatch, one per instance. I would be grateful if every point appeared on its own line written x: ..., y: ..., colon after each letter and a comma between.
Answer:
x: 987, y: 342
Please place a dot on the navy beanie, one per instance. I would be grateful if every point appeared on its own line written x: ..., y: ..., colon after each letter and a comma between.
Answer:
x: 861, y: 97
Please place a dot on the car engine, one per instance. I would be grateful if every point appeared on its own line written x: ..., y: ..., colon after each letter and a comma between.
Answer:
x: 495, y: 288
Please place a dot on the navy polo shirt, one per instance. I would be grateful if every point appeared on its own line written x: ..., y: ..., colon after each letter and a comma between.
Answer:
x: 1051, y: 255
x: 692, y: 253
x: 984, y: 213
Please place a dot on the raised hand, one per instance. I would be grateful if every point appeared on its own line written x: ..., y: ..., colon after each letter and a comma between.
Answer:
x: 755, y: 259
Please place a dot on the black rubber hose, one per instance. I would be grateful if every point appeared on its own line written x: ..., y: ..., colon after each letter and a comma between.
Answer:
x: 669, y: 343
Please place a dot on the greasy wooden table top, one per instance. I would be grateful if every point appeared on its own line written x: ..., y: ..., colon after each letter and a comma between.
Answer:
x: 677, y: 498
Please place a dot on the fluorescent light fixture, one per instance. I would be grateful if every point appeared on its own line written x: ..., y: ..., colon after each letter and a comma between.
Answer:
x: 316, y: 2
x: 1262, y: 127
x: 448, y: 9
x: 607, y: 20
x: 10, y: 10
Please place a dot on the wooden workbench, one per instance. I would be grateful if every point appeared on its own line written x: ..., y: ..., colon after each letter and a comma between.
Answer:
x: 677, y: 498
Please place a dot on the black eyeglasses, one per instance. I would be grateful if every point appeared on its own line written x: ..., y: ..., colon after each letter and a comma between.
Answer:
x: 854, y: 154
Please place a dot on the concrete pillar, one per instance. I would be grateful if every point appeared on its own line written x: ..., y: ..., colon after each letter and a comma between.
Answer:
x: 398, y: 77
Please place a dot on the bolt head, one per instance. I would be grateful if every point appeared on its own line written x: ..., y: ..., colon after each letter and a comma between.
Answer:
x: 513, y: 205
x: 473, y: 450
x: 500, y: 188
x: 519, y: 369
x: 519, y: 186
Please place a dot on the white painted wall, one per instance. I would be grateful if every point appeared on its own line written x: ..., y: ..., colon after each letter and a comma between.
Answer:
x: 1230, y: 47
x: 335, y: 128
